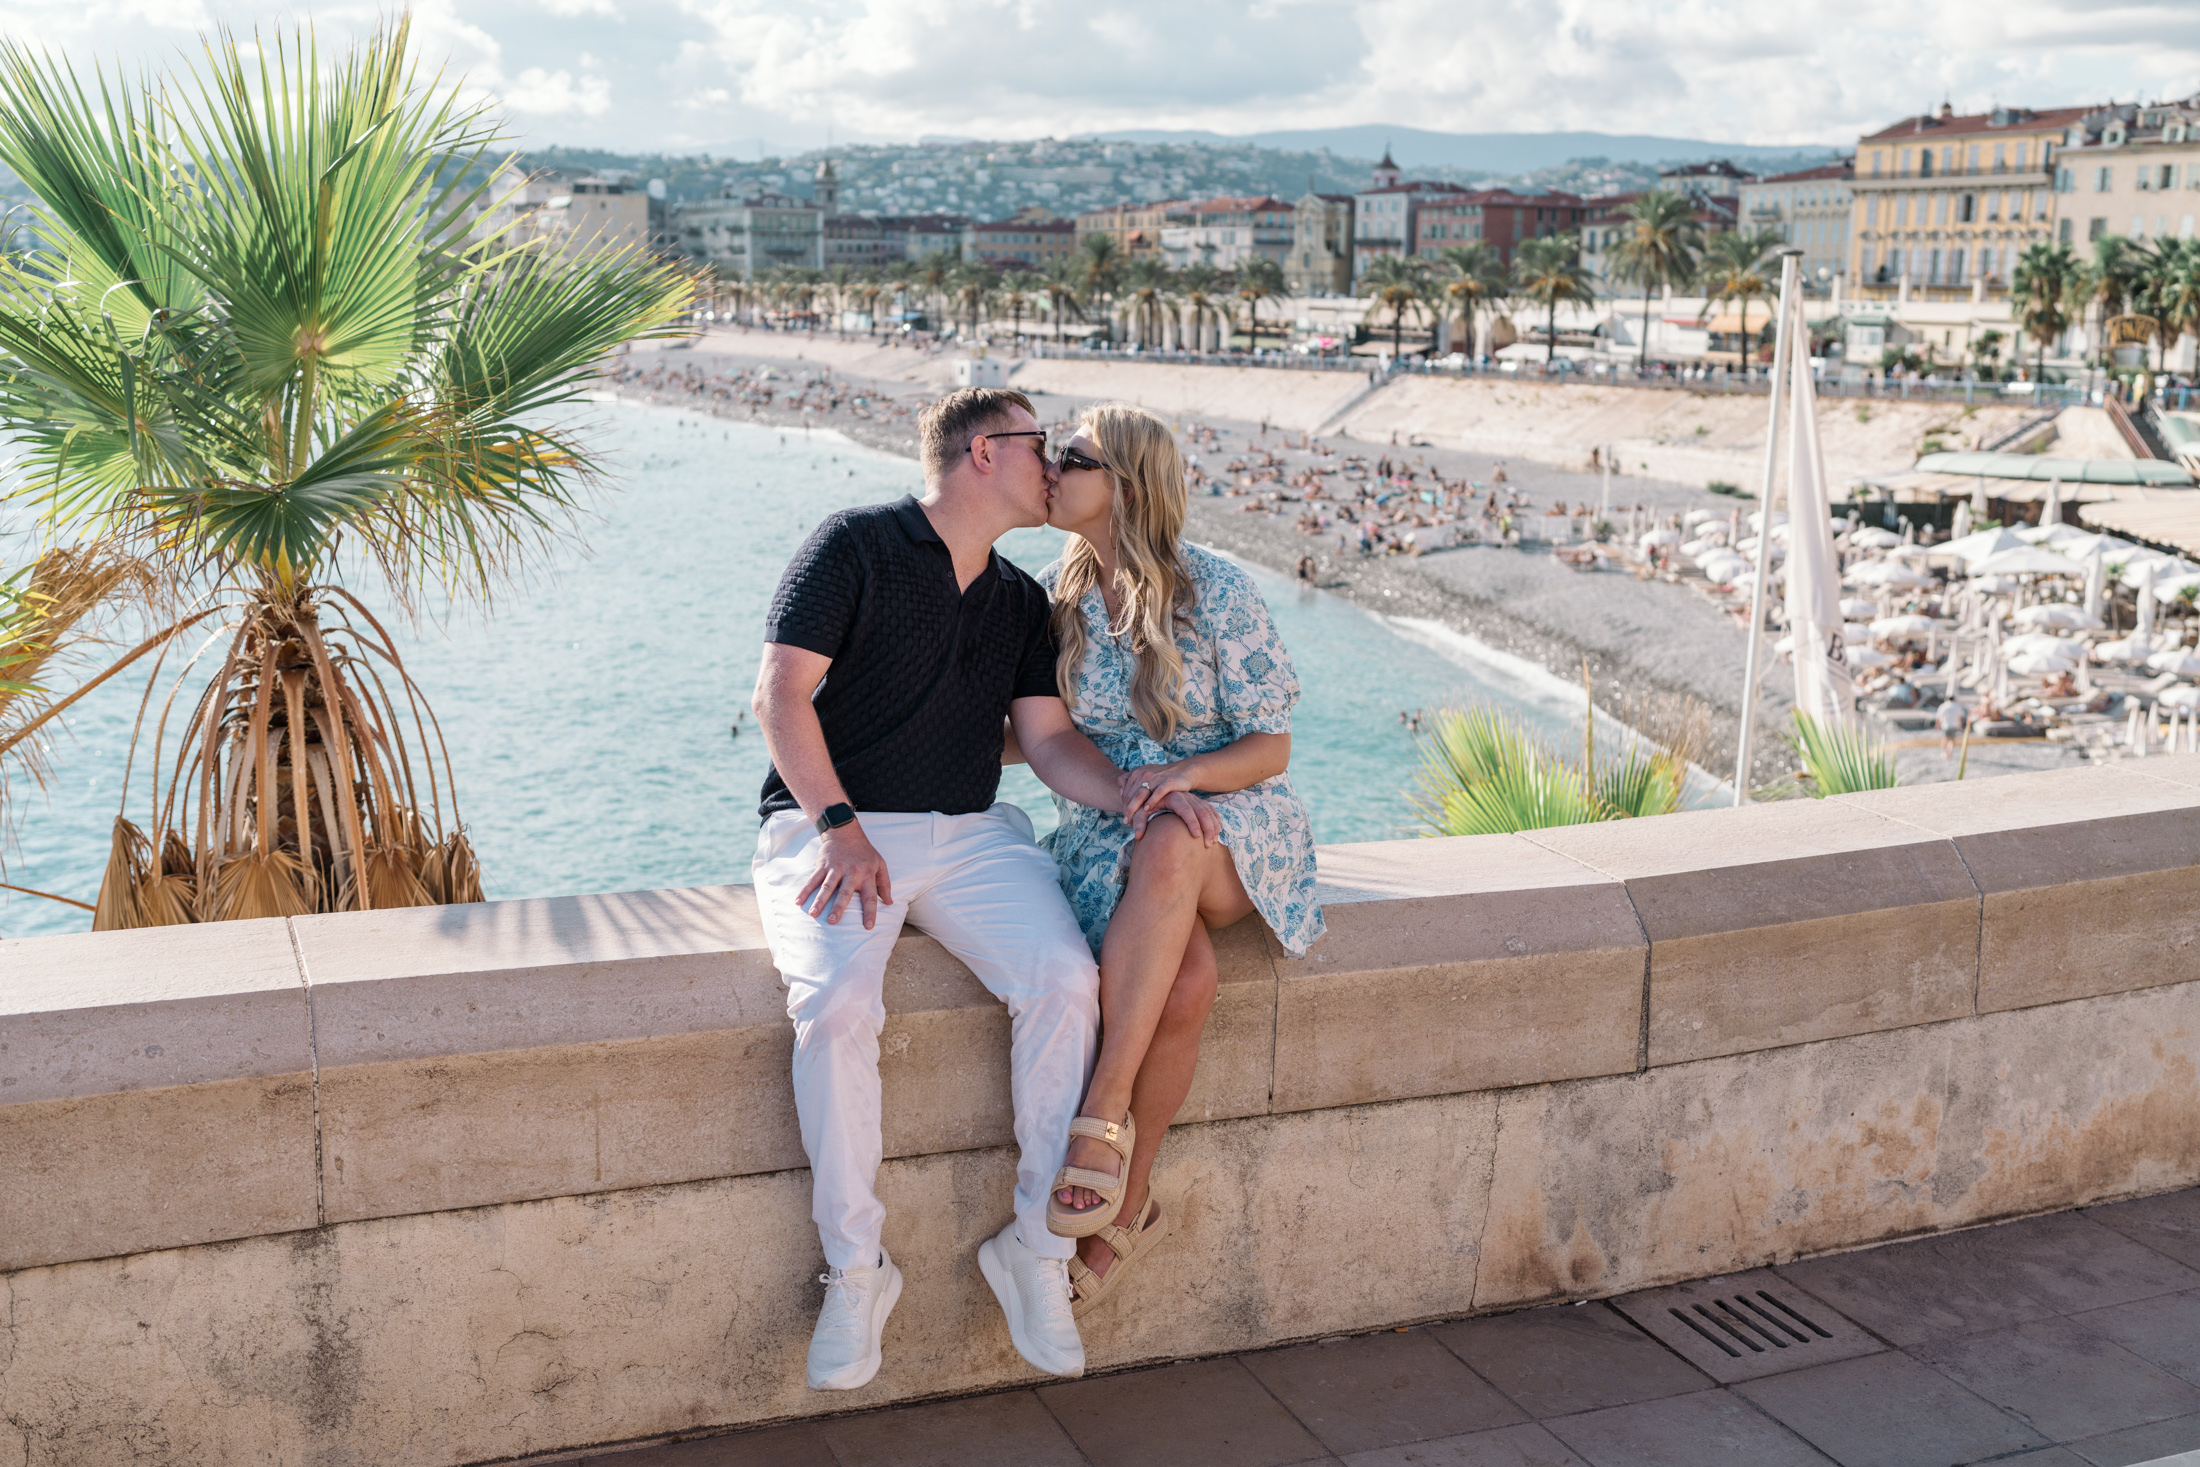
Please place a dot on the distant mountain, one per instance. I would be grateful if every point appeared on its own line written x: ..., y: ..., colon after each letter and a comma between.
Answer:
x: 1490, y: 152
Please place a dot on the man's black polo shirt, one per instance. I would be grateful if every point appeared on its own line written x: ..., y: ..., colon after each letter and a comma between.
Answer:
x: 922, y: 673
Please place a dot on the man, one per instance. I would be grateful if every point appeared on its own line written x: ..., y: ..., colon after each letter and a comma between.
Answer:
x: 1951, y: 720
x: 881, y: 786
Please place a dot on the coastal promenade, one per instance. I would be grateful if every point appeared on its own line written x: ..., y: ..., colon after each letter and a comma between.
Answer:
x: 2069, y: 1340
x: 467, y: 1184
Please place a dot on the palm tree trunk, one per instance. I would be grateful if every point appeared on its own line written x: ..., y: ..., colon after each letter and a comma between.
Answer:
x: 1397, y: 332
x: 1742, y: 353
x: 1550, y: 334
x: 1643, y: 365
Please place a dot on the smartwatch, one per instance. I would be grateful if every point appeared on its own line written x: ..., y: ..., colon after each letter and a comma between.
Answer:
x: 836, y: 816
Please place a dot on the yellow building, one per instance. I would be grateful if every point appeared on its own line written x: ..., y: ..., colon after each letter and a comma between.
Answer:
x: 2132, y: 171
x: 1136, y: 228
x: 1943, y: 205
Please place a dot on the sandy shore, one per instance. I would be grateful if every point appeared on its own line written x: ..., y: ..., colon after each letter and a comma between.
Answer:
x: 1639, y: 640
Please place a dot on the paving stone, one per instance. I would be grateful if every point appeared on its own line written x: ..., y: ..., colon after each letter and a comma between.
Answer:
x: 1007, y: 1430
x: 1910, y: 1293
x: 1380, y: 1390
x: 1708, y: 1429
x: 2142, y: 1444
x: 1563, y: 1360
x: 1210, y: 1412
x: 2168, y: 1224
x: 2062, y: 1378
x: 1508, y: 1446
x: 2070, y: 1262
x: 800, y: 1445
x: 1888, y: 1411
x: 2163, y: 1330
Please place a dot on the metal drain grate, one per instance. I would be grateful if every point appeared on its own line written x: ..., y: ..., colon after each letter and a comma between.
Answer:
x: 1746, y: 1325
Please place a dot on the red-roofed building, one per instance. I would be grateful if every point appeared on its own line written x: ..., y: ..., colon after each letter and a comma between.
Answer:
x: 1944, y: 204
x: 1497, y: 217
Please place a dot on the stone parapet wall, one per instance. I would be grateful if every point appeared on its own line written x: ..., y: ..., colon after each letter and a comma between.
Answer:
x: 447, y: 1185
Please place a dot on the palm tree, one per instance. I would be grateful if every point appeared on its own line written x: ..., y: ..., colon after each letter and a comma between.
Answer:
x: 869, y: 286
x: 2110, y: 276
x: 1398, y: 283
x: 971, y: 284
x: 1101, y: 263
x: 1259, y: 279
x: 1658, y: 249
x: 1202, y: 285
x: 1015, y: 294
x: 259, y: 350
x: 1484, y: 773
x: 2167, y: 287
x: 1064, y: 283
x: 936, y: 274
x: 1473, y: 279
x: 1733, y: 273
x: 1549, y: 272
x: 1148, y: 283
x: 2048, y: 278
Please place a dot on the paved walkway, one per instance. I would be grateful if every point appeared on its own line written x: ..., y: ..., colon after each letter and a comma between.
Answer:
x: 2063, y: 1341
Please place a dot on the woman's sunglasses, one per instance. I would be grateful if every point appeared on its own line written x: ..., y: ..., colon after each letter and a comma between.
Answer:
x: 1072, y: 459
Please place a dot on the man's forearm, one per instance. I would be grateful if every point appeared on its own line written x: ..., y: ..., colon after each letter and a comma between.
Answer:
x: 796, y: 741
x: 1070, y: 764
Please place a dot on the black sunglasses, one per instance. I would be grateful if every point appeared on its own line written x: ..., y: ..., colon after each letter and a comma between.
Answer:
x: 1038, y: 433
x: 1072, y: 459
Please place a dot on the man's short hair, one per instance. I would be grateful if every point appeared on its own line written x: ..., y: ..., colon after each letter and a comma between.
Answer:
x: 945, y: 428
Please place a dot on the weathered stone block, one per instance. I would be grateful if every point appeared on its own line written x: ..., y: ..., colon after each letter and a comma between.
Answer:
x: 2091, y: 876
x: 1782, y: 923
x: 1458, y: 965
x: 155, y: 1088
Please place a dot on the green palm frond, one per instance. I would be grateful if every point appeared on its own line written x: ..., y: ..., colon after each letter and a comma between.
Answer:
x: 1483, y: 773
x: 1839, y: 758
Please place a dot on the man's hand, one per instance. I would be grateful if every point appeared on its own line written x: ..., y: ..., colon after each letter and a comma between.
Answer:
x: 847, y: 866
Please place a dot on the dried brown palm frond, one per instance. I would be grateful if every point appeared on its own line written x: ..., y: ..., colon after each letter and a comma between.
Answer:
x: 118, y: 908
x: 297, y: 785
x: 45, y: 615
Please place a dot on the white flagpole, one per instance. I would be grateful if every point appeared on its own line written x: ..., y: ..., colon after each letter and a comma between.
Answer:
x: 1788, y: 259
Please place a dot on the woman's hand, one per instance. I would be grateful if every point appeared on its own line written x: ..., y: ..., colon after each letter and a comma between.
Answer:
x: 1147, y: 785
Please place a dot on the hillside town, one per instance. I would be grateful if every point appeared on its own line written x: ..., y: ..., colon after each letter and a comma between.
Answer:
x: 1914, y: 246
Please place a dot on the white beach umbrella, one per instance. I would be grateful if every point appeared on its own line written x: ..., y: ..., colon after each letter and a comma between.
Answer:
x: 1856, y: 633
x: 1911, y: 627
x: 2170, y: 585
x: 2134, y: 568
x: 2058, y: 614
x: 1962, y: 523
x: 1825, y: 689
x: 2026, y: 560
x: 2182, y: 697
x: 1976, y: 547
x: 2096, y: 582
x: 1857, y: 608
x: 2039, y: 664
x: 1872, y: 537
x: 2179, y: 660
x: 1869, y: 657
x: 1721, y: 569
x: 1660, y: 536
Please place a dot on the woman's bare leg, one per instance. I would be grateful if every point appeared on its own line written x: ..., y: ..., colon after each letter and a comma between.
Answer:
x: 1164, y: 1079
x: 1176, y: 882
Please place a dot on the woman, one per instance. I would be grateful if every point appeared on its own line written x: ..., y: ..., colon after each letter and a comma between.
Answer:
x: 1169, y: 662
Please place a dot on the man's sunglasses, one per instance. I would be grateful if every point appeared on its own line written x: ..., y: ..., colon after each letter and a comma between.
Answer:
x: 1072, y: 459
x: 1038, y: 433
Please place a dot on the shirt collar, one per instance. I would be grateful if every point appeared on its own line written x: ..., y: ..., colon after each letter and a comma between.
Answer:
x: 914, y: 524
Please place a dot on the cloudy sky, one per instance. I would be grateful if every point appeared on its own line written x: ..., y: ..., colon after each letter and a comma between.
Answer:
x: 732, y: 75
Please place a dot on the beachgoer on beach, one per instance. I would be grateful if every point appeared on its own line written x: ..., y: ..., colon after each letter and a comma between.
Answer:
x: 1951, y: 719
x: 879, y: 810
x: 1170, y: 663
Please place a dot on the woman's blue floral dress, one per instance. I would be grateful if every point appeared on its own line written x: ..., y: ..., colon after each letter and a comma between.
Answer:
x: 1237, y: 681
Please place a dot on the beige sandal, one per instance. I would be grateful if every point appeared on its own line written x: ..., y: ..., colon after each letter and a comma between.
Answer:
x: 1068, y: 1222
x: 1086, y: 1288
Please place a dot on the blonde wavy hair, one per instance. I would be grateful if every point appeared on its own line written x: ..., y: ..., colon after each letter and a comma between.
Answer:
x: 1153, y: 586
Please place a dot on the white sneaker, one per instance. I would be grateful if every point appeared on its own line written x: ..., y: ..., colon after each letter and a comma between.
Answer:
x: 1034, y: 1294
x: 844, y: 1348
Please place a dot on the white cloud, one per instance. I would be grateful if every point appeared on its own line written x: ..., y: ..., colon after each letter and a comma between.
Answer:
x: 691, y: 73
x: 559, y: 93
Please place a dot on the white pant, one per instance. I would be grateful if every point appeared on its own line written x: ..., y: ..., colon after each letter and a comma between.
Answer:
x: 988, y: 894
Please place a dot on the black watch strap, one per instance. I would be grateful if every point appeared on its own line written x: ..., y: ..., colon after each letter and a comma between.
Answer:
x: 836, y: 816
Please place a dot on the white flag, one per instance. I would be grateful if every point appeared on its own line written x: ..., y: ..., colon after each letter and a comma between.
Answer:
x: 1823, y: 686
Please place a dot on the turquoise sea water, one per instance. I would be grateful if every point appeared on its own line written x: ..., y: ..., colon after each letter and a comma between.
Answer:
x: 590, y: 717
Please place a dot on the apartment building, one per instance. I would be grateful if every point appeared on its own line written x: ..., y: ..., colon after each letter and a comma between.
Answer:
x: 1320, y: 258
x: 1135, y: 228
x: 1498, y: 217
x: 1809, y: 207
x: 1944, y: 204
x: 1029, y: 244
x: 1227, y: 232
x: 1605, y: 223
x: 2132, y: 171
x: 744, y: 237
